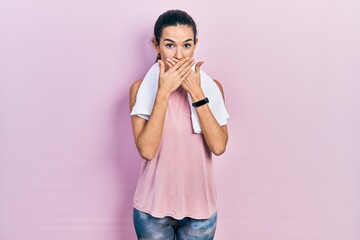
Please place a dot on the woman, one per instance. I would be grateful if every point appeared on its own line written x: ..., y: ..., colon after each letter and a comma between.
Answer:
x: 178, y: 121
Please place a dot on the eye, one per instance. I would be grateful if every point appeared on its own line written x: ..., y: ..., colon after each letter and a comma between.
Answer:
x: 169, y: 45
x: 187, y: 45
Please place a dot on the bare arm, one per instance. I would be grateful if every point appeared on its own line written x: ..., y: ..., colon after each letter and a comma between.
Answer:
x: 216, y: 136
x: 148, y: 133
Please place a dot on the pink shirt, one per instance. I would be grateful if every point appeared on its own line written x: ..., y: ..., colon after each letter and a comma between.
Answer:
x: 178, y: 181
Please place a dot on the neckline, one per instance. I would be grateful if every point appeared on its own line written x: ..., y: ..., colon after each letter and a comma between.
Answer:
x: 181, y: 90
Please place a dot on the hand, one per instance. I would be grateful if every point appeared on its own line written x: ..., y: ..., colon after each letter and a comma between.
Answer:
x: 192, y: 83
x: 170, y: 80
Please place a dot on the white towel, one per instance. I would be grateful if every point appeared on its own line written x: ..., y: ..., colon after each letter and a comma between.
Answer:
x: 146, y: 94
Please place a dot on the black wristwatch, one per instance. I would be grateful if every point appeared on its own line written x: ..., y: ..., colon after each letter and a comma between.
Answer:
x: 200, y: 103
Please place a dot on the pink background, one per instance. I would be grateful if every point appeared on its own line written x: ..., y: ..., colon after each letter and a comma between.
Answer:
x: 291, y: 75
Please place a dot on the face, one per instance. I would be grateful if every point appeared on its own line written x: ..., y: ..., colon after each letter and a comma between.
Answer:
x: 176, y: 42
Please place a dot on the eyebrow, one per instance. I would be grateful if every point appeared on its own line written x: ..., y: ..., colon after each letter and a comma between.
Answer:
x: 187, y: 40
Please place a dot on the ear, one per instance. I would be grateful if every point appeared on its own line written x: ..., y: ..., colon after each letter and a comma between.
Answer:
x: 196, y: 43
x: 155, y: 45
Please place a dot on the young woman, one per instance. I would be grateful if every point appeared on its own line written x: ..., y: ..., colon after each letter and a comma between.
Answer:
x: 178, y: 121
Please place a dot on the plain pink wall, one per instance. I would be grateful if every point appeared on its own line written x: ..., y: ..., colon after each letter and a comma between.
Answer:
x: 291, y: 74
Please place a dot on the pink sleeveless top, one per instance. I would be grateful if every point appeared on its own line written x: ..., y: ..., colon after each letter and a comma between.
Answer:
x: 178, y: 181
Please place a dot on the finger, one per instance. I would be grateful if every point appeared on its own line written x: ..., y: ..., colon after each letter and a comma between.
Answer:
x: 186, y: 75
x: 162, y: 67
x: 169, y: 64
x: 175, y: 60
x: 186, y: 68
x: 171, y: 60
x: 185, y: 65
x: 186, y: 71
x: 180, y: 63
x: 197, y: 66
x: 172, y: 63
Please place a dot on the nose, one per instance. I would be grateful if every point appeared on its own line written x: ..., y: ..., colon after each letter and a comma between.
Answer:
x: 179, y: 54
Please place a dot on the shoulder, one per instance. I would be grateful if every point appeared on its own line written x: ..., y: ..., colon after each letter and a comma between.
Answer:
x: 220, y: 87
x: 133, y: 92
x: 135, y: 86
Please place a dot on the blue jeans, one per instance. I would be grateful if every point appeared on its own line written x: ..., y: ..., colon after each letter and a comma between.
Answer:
x: 148, y: 227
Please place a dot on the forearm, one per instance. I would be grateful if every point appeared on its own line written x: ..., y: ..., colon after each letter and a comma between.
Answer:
x: 148, y: 140
x: 215, y: 136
